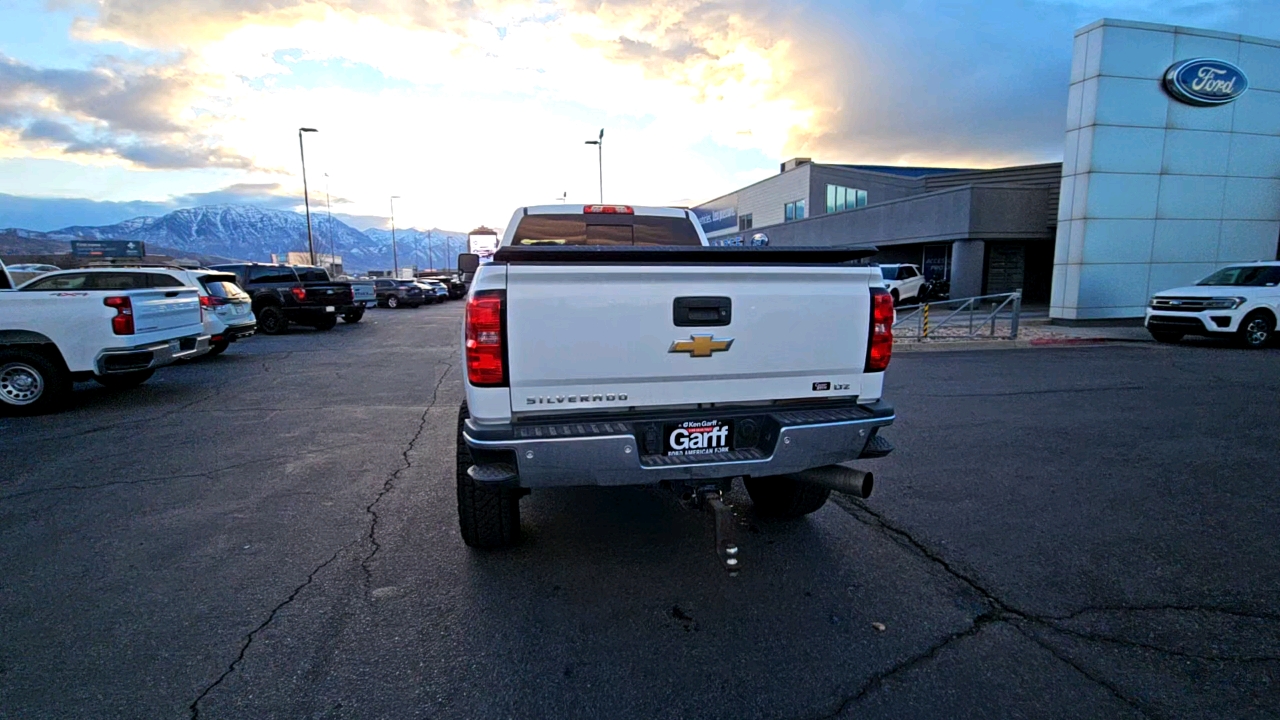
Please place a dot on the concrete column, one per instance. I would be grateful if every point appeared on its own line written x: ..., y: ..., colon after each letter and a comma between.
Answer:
x: 967, y: 263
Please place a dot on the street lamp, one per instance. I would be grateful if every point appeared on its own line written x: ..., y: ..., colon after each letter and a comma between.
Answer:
x: 306, y: 199
x: 329, y: 209
x: 599, y: 143
x: 395, y: 256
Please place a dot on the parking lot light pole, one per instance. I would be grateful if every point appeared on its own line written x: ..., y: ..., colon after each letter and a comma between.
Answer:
x: 306, y: 199
x: 395, y: 256
x: 329, y: 210
x: 599, y: 143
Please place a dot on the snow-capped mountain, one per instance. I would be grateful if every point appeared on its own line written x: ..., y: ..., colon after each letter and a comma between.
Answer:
x: 247, y: 232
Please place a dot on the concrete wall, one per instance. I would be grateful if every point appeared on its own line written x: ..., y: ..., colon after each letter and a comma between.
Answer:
x: 880, y: 187
x: 766, y: 200
x: 1157, y: 193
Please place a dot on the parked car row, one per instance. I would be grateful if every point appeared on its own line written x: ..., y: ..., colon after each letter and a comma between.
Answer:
x: 391, y: 293
x: 118, y: 324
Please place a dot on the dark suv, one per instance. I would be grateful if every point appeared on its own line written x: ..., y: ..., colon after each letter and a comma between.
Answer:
x: 280, y: 296
x: 394, y: 293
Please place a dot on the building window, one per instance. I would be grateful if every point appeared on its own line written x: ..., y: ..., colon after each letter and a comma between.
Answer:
x: 843, y: 198
x: 744, y: 222
x: 795, y: 210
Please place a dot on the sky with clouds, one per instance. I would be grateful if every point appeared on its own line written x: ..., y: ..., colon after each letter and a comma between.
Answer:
x: 468, y: 109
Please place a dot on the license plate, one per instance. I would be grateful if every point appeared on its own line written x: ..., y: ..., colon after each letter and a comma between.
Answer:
x: 175, y: 345
x: 330, y: 308
x: 697, y: 437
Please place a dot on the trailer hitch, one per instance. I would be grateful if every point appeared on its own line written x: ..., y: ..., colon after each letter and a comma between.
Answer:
x: 712, y: 500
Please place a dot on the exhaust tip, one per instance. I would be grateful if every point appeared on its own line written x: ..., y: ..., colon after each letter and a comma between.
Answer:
x: 868, y: 484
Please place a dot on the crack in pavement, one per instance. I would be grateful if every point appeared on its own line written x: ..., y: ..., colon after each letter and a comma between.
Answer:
x: 1002, y: 611
x: 143, y: 481
x: 878, y: 679
x: 389, y: 484
x: 194, y: 707
x: 1097, y: 680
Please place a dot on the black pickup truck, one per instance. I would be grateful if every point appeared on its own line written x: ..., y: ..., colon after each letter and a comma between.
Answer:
x: 282, y: 295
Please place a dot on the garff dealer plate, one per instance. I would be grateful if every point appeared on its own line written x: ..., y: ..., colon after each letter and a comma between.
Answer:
x: 697, y: 437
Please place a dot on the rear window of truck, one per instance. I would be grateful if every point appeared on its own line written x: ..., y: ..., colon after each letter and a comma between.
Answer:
x: 616, y: 230
x: 311, y: 274
x: 104, y: 281
x: 272, y: 274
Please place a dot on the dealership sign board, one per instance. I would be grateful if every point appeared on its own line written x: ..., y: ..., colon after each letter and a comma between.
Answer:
x: 713, y: 218
x: 108, y: 248
x: 1204, y: 81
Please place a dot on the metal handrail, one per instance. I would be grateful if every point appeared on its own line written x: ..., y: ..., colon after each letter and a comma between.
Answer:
x: 917, y: 316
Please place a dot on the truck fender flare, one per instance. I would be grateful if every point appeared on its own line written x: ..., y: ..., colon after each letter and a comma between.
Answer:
x: 23, y: 337
x: 45, y: 344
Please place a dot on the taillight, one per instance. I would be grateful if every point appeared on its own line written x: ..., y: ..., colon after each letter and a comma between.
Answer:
x: 122, y: 323
x: 486, y: 365
x: 880, y: 341
x: 608, y: 210
x: 299, y: 292
x: 211, y: 301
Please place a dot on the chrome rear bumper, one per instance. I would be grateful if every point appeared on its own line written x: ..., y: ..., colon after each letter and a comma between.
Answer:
x: 608, y: 453
x: 153, y: 355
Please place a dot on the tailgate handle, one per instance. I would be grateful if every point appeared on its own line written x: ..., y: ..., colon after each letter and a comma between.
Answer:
x: 701, y: 311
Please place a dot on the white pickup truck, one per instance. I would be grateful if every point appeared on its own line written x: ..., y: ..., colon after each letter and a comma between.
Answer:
x: 609, y: 345
x: 112, y: 326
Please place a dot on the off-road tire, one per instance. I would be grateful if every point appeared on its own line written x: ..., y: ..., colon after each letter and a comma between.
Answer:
x: 329, y: 322
x: 353, y: 316
x: 19, y: 368
x: 120, y: 381
x: 219, y: 347
x: 1166, y: 336
x: 785, y: 497
x: 272, y: 321
x: 489, y: 517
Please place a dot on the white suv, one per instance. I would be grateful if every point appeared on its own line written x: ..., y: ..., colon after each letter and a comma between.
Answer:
x: 904, y: 282
x: 1239, y: 300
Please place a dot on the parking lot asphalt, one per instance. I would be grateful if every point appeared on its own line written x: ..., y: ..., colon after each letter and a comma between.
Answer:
x: 1076, y: 532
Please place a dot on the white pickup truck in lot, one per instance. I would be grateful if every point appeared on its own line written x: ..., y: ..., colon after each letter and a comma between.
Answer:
x: 608, y: 345
x: 112, y: 326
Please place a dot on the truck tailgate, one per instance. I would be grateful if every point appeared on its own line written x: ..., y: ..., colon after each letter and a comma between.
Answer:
x: 605, y: 337
x: 155, y: 310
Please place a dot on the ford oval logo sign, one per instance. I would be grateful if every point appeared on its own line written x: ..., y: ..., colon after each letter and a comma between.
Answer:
x: 1204, y: 81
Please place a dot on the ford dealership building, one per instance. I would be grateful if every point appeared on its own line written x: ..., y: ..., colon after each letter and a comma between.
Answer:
x: 1171, y: 169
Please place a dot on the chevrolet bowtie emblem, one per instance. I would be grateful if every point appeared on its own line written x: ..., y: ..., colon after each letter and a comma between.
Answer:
x: 701, y: 345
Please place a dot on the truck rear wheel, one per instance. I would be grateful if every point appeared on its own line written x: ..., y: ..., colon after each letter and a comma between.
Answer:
x: 271, y: 320
x: 488, y: 516
x: 353, y: 316
x: 31, y: 383
x: 783, y: 496
x: 328, y: 322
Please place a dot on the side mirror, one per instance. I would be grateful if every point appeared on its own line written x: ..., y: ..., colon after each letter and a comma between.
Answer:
x: 468, y: 262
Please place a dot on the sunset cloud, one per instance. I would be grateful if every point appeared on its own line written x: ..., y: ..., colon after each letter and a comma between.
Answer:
x: 466, y: 109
